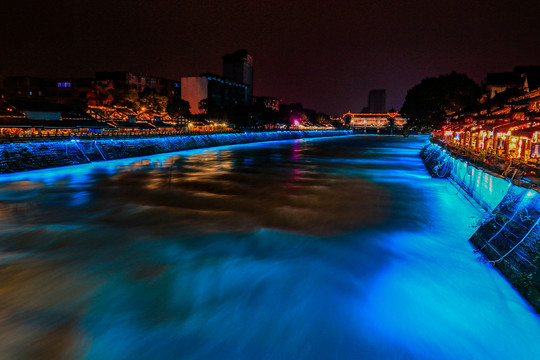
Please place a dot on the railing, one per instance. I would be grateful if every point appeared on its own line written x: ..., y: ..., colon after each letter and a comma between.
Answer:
x: 5, y: 138
x: 514, y: 169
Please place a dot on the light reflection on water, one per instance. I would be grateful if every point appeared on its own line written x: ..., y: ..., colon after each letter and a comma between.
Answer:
x: 330, y: 248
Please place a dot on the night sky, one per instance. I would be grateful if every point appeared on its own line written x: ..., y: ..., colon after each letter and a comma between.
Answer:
x: 325, y: 54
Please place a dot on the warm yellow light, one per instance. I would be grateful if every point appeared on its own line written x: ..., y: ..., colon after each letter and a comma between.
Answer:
x: 190, y: 124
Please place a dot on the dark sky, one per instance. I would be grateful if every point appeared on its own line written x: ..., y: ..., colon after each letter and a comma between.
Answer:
x: 325, y: 54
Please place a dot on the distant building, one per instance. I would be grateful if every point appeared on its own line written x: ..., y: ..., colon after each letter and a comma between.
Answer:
x: 238, y: 67
x: 375, y: 121
x: 522, y: 78
x: 71, y: 91
x: 500, y: 82
x: 532, y: 73
x: 74, y: 91
x: 24, y: 87
x: 377, y: 101
x: 222, y: 92
x: 68, y: 90
x: 8, y: 111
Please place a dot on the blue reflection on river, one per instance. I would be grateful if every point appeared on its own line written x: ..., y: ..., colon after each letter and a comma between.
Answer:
x: 309, y: 249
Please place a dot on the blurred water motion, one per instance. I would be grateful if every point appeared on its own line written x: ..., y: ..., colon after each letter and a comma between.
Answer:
x: 310, y: 249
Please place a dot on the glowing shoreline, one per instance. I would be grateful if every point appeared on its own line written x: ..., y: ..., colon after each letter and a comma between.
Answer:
x: 22, y: 157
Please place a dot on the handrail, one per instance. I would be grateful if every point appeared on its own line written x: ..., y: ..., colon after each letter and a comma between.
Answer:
x: 99, y: 150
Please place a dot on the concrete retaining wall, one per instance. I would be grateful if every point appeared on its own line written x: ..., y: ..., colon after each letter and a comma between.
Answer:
x: 16, y: 157
x: 509, y: 236
x: 487, y: 189
x: 510, y: 240
x: 22, y: 156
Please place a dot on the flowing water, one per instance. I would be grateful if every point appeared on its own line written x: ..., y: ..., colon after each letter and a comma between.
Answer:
x: 340, y: 248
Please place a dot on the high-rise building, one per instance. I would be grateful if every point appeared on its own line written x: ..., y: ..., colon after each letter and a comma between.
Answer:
x: 377, y: 101
x: 238, y: 67
x: 221, y: 92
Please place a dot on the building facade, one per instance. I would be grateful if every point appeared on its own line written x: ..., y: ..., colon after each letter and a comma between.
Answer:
x: 221, y: 92
x: 238, y: 67
x: 71, y: 91
x: 500, y: 82
x: 521, y: 78
x: 377, y: 101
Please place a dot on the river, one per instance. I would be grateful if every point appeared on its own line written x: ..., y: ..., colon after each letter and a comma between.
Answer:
x: 337, y: 248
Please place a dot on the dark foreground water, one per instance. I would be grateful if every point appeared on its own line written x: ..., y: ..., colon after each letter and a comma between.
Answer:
x: 337, y: 248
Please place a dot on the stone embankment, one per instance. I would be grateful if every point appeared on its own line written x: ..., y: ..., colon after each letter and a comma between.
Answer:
x: 509, y: 236
x: 23, y: 156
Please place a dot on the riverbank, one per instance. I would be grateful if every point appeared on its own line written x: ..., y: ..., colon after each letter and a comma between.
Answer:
x: 24, y: 156
x: 509, y: 236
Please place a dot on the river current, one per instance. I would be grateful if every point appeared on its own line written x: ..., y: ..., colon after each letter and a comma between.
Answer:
x: 337, y: 248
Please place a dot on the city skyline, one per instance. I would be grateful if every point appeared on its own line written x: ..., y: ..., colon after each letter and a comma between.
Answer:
x: 327, y: 58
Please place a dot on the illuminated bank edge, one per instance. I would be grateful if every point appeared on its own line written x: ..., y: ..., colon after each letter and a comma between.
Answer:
x: 24, y: 156
x: 509, y: 236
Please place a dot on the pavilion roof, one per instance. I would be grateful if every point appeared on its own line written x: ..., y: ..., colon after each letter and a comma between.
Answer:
x: 10, y: 122
x: 527, y: 131
x: 510, y: 126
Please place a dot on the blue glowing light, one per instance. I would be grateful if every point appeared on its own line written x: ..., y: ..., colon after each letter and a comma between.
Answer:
x: 404, y: 284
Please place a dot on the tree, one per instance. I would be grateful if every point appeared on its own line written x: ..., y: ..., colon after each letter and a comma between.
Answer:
x: 128, y: 98
x: 99, y: 95
x: 178, y: 107
x: 347, y: 121
x: 154, y: 101
x: 391, y: 124
x: 428, y: 103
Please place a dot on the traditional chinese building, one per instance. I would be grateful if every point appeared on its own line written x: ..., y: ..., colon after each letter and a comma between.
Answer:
x: 375, y: 122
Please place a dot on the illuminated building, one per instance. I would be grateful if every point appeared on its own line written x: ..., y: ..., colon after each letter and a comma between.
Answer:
x: 370, y: 123
x: 508, y: 128
x: 222, y: 92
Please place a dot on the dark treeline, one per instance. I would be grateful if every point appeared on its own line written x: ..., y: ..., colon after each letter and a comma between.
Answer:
x: 429, y: 103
